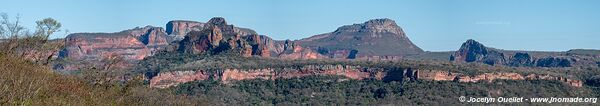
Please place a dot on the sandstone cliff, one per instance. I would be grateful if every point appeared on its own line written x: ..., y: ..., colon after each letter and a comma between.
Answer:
x: 167, y: 79
x: 182, y: 27
x: 473, y: 51
x: 218, y: 36
x: 436, y: 75
x: 133, y: 44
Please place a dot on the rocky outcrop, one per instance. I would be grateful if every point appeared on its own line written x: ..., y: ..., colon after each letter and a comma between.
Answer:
x: 228, y: 75
x: 182, y: 27
x: 378, y: 39
x: 437, y: 75
x: 168, y: 79
x: 374, y: 38
x: 375, y: 27
x: 521, y: 59
x: 298, y: 52
x: 217, y: 36
x: 554, y: 62
x: 473, y: 51
x: 133, y: 44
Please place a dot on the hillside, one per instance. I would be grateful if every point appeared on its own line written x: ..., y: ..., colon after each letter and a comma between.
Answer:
x: 377, y: 37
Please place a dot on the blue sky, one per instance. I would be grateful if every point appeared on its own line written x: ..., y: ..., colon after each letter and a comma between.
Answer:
x: 434, y: 25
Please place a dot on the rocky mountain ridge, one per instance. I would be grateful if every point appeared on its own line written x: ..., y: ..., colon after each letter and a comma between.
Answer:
x: 132, y: 44
x: 377, y: 38
x: 473, y: 51
x: 217, y: 35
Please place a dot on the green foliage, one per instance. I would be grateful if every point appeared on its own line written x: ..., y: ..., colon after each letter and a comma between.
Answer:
x: 47, y: 27
x: 152, y: 65
x: 26, y: 83
x: 335, y: 90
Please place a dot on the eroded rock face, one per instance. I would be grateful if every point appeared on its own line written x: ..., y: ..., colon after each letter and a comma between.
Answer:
x: 374, y: 38
x: 374, y: 26
x: 168, y: 79
x: 298, y: 52
x: 473, y: 51
x: 437, y: 75
x: 182, y: 27
x: 554, y: 62
x: 133, y: 44
x: 217, y: 36
x: 521, y: 59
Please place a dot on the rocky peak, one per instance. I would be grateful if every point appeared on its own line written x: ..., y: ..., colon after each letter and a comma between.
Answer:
x: 470, y: 51
x: 472, y: 46
x: 521, y: 59
x: 216, y: 36
x: 555, y: 62
x: 473, y: 51
x: 181, y: 27
x: 219, y: 21
x: 373, y: 26
x: 373, y: 38
x: 154, y: 36
x: 132, y: 44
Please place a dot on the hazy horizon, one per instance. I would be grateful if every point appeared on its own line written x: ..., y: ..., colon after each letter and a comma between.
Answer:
x: 433, y: 25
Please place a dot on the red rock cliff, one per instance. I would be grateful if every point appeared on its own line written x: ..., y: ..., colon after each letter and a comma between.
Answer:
x: 133, y: 44
x: 182, y: 27
x: 168, y: 79
x: 217, y: 36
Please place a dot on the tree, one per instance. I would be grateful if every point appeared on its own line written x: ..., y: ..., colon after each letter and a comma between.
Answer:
x: 16, y: 40
x: 10, y: 32
x: 45, y: 28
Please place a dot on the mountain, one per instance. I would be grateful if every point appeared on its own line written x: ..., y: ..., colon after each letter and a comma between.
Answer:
x: 374, y: 38
x: 132, y: 44
x: 217, y: 36
x: 473, y: 51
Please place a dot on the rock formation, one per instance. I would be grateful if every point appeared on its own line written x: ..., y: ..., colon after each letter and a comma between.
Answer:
x: 167, y: 79
x: 217, y: 36
x: 133, y: 44
x: 379, y: 39
x: 521, y: 59
x: 173, y: 78
x: 374, y: 38
x: 473, y: 51
x: 182, y: 27
x: 554, y: 62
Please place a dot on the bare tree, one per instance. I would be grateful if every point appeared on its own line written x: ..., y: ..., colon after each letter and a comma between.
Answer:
x: 10, y: 32
x: 17, y: 41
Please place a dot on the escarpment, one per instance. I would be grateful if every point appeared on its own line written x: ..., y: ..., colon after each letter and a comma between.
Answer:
x: 473, y: 51
x: 167, y: 79
x: 218, y: 37
x: 133, y: 44
x: 378, y: 39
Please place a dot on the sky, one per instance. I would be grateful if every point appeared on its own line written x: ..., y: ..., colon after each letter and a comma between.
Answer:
x: 433, y: 25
